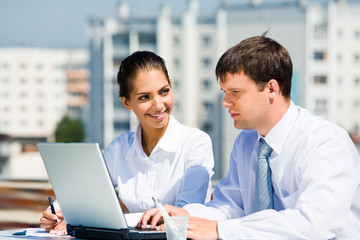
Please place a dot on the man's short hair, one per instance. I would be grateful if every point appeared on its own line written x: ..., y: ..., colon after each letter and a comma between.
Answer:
x: 262, y: 59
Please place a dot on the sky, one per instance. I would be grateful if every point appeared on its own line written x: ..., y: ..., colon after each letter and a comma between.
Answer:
x: 62, y: 23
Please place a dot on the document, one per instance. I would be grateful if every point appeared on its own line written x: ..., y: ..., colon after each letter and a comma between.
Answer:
x: 40, y: 232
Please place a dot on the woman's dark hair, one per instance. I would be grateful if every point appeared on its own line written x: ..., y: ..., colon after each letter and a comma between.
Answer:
x: 133, y: 64
x: 262, y: 59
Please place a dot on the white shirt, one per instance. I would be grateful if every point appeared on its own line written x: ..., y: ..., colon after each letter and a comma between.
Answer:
x: 315, y: 171
x: 177, y: 172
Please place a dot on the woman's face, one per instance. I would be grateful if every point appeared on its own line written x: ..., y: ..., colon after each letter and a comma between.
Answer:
x: 151, y: 99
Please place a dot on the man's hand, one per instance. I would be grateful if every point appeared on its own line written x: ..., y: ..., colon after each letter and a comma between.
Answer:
x: 200, y: 228
x: 154, y: 217
x: 52, y: 223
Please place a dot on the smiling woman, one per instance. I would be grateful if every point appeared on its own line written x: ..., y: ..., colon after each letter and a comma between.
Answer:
x: 162, y: 158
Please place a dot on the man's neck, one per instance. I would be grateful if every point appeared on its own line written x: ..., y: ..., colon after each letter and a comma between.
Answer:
x: 276, y: 113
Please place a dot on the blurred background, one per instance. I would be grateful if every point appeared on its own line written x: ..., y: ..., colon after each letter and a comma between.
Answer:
x: 59, y: 60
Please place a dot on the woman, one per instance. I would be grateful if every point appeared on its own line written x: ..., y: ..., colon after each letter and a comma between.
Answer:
x: 162, y: 158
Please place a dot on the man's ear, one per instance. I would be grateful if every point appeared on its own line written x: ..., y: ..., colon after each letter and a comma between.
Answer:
x: 273, y: 86
x: 126, y: 103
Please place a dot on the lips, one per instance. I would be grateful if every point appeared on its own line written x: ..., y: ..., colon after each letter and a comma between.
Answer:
x: 158, y: 115
x: 233, y: 115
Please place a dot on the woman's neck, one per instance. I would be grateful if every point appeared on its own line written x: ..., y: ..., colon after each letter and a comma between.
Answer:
x: 150, y: 137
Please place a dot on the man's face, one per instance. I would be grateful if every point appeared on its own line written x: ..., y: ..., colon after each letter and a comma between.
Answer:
x: 248, y: 106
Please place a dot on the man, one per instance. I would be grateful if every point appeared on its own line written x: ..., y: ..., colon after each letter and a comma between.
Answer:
x: 307, y: 184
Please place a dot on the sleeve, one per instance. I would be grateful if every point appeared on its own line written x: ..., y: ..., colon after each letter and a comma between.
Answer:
x: 199, y: 163
x: 328, y: 181
x: 227, y: 197
x: 110, y: 163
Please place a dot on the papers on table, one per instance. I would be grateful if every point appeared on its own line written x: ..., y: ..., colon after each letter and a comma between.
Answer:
x: 131, y: 218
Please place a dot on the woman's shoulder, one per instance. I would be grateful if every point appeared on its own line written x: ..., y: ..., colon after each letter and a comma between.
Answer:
x: 190, y: 132
x: 125, y: 139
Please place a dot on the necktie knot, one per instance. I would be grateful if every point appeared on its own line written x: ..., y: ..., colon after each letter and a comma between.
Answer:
x: 264, y: 149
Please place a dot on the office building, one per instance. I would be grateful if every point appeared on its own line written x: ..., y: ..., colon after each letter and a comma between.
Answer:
x: 37, y: 88
x: 191, y: 44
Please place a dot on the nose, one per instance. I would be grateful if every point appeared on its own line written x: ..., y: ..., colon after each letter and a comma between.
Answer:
x: 226, y: 102
x: 157, y: 103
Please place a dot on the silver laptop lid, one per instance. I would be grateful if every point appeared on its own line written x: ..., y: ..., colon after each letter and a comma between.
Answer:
x: 82, y: 184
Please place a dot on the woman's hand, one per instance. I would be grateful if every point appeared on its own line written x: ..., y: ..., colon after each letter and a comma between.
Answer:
x: 53, y: 223
x: 153, y: 216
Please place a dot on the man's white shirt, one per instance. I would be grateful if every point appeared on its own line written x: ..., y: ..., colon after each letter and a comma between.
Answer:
x: 315, y: 171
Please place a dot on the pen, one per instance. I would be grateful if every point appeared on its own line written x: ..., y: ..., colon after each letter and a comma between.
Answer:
x: 51, y: 205
x: 167, y: 218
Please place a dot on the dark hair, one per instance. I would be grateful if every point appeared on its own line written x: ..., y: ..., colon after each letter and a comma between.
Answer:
x: 262, y: 59
x: 133, y: 64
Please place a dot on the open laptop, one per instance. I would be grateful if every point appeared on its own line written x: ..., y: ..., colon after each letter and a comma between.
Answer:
x: 86, y: 195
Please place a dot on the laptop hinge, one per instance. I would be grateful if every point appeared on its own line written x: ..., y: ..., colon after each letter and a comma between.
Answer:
x: 97, y: 233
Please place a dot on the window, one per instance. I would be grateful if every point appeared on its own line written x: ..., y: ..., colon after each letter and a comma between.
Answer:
x: 320, y: 55
x: 339, y: 104
x: 176, y: 83
x: 320, y: 31
x: 121, y: 40
x: 357, y: 58
x: 340, y: 33
x: 357, y: 34
x: 22, y: 66
x: 122, y: 126
x: 320, y: 79
x: 321, y: 105
x: 206, y: 83
x: 147, y: 38
x: 208, y: 106
x: 356, y: 104
x: 206, y: 62
x: 206, y: 41
x: 357, y: 81
x: 207, y: 127
x: 176, y: 41
x: 339, y: 81
x: 339, y: 58
x: 176, y: 63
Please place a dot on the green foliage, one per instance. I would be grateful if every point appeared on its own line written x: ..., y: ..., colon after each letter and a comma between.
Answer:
x: 69, y: 130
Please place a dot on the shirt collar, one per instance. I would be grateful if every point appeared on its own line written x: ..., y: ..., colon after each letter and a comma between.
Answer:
x: 168, y: 141
x: 136, y: 146
x: 278, y: 134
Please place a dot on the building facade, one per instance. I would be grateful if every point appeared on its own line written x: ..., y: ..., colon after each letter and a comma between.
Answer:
x: 191, y: 44
x: 34, y: 89
x: 37, y: 88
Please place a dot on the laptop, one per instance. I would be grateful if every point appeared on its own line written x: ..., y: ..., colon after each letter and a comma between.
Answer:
x: 85, y: 193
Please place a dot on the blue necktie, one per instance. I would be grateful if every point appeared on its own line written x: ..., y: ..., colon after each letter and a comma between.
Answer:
x: 263, y: 185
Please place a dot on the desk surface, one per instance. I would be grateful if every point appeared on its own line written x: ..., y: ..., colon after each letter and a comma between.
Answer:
x: 8, y: 234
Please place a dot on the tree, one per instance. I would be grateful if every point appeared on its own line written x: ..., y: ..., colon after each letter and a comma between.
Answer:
x: 69, y: 130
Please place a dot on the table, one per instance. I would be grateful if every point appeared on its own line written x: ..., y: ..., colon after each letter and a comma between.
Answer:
x: 8, y: 234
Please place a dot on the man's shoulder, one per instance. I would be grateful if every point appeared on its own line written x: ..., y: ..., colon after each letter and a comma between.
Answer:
x: 247, y: 135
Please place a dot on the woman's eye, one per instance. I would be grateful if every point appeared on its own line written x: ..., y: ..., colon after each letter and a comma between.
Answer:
x: 165, y: 91
x: 143, y: 97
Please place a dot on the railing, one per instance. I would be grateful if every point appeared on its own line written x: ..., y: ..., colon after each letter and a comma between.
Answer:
x: 22, y: 202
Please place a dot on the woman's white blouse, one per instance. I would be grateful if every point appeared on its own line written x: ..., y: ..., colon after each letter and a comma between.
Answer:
x: 177, y: 172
